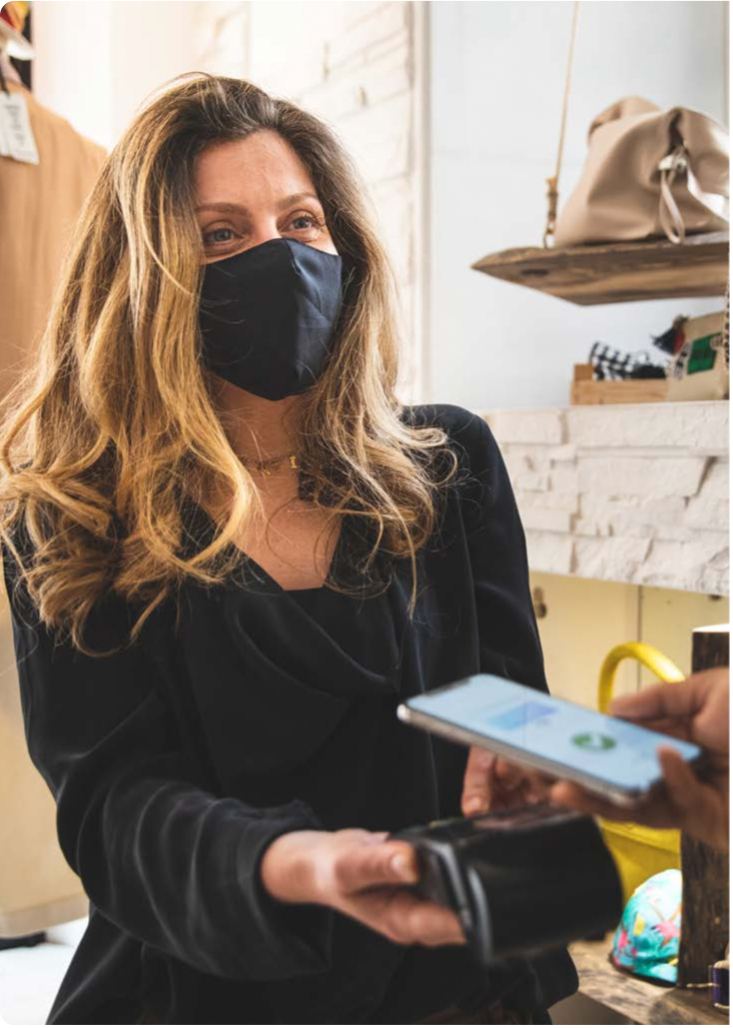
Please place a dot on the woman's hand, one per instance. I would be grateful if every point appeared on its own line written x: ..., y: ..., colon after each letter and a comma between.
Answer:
x: 492, y: 783
x: 361, y: 875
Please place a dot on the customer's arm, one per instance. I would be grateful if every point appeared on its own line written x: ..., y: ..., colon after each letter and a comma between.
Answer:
x: 697, y: 710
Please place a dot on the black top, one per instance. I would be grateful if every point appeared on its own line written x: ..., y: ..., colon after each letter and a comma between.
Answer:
x: 175, y: 762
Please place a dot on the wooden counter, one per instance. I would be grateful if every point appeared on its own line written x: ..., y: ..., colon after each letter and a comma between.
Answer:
x: 639, y: 1001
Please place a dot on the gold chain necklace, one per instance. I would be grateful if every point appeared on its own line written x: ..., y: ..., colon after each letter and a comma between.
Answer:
x: 264, y: 466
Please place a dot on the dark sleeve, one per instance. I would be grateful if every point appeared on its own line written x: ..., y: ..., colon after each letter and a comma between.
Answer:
x: 159, y: 855
x: 509, y: 639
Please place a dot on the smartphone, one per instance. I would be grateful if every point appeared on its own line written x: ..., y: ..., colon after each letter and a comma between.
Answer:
x: 608, y: 756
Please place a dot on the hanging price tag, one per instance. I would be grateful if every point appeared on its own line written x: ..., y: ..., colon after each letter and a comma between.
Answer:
x: 4, y: 148
x: 4, y: 142
x: 16, y: 134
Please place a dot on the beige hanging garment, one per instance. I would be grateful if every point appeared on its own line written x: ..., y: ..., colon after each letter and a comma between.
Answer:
x: 39, y: 204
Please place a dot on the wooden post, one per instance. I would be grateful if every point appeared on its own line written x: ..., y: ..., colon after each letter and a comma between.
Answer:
x: 705, y: 899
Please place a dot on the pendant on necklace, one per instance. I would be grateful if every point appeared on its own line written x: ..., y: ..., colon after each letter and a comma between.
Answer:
x: 264, y: 467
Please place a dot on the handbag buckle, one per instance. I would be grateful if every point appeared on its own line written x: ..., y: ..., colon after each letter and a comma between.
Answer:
x: 675, y: 162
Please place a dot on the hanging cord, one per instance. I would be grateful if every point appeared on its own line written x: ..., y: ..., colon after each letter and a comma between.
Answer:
x: 554, y: 180
x: 726, y: 63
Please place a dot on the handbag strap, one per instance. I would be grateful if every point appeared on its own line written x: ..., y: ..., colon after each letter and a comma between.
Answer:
x: 554, y: 180
x: 670, y: 219
x: 678, y: 163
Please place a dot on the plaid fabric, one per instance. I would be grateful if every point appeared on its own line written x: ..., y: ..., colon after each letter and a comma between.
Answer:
x: 612, y: 364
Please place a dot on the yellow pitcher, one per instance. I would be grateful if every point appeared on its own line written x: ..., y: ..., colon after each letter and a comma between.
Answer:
x: 639, y: 852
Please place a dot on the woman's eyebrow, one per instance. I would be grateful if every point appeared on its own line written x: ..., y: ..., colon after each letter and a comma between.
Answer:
x: 238, y: 208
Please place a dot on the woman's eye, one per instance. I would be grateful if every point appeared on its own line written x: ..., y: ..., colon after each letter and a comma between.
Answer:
x: 310, y: 220
x: 216, y: 236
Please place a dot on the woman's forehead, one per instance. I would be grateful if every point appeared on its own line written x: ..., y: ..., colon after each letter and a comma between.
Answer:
x: 261, y: 168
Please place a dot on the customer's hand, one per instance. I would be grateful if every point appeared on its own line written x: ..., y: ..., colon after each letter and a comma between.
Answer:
x: 492, y: 783
x: 696, y: 710
x: 362, y: 875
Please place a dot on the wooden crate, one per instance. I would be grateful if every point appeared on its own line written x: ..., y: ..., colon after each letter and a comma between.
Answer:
x: 642, y: 390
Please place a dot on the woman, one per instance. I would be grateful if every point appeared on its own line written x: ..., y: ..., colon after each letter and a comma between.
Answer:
x: 230, y: 553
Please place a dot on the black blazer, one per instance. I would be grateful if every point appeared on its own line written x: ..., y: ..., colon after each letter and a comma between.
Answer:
x: 175, y: 763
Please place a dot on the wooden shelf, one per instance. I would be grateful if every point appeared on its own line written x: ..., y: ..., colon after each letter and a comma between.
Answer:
x: 640, y: 1001
x: 618, y: 272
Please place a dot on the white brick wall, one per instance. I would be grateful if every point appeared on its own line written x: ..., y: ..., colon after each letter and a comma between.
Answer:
x: 633, y: 494
x: 219, y: 30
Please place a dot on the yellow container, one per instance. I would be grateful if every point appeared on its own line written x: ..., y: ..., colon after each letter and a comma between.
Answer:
x: 639, y: 852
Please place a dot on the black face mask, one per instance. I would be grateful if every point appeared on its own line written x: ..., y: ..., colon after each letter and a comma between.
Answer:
x: 267, y: 316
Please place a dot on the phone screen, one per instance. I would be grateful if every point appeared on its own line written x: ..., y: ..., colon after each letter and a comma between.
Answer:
x: 618, y: 752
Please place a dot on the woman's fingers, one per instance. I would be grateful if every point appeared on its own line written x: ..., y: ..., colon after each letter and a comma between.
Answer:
x: 367, y: 867
x: 372, y: 880
x: 476, y: 798
x: 537, y: 789
x: 493, y: 783
x: 510, y: 776
x: 567, y: 794
x: 417, y: 920
x: 406, y: 918
x: 516, y: 786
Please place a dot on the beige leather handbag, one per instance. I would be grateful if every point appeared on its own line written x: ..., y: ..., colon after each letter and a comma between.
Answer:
x: 648, y: 173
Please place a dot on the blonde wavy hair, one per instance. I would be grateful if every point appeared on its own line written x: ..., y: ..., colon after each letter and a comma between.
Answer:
x: 114, y: 426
